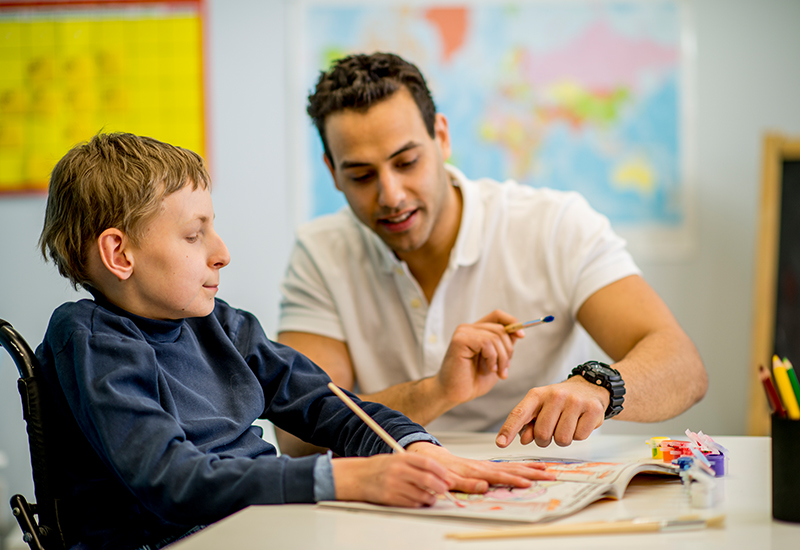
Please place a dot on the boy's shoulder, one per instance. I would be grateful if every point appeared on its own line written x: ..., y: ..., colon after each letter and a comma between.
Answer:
x: 85, y: 316
x: 74, y: 314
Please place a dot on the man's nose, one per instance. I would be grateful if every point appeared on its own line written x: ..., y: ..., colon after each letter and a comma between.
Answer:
x: 390, y: 191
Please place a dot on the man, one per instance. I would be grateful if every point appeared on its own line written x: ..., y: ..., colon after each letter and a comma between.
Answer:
x: 404, y: 296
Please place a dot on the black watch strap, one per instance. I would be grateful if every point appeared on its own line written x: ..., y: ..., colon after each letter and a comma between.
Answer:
x: 602, y: 375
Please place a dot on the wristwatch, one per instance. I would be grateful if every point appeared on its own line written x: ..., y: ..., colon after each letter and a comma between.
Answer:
x: 603, y: 375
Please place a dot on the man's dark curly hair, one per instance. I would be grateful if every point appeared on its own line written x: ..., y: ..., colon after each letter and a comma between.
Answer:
x: 360, y: 81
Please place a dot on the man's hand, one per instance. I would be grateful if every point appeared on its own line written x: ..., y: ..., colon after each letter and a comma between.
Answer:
x: 475, y: 476
x: 563, y: 412
x: 662, y: 370
x: 477, y: 358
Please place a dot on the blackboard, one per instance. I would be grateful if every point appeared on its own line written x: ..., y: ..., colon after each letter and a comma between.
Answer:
x: 787, y: 304
x: 776, y: 323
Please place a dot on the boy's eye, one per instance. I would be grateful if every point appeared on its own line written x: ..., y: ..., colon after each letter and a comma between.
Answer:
x: 192, y: 238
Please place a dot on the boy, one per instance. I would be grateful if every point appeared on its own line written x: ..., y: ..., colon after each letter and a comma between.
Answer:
x: 157, y: 383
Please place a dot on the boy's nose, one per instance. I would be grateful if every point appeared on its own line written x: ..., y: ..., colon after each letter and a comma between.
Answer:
x: 221, y: 256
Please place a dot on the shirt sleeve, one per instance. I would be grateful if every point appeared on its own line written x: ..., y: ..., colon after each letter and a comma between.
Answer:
x: 306, y: 301
x: 324, y: 488
x: 413, y: 438
x: 585, y: 252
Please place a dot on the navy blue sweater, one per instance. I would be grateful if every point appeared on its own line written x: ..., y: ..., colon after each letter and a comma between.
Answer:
x: 156, y: 419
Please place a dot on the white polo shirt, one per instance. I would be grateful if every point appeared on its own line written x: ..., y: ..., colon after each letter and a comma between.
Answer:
x: 529, y: 252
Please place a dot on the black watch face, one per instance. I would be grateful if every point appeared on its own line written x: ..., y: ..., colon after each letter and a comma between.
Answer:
x: 608, y: 371
x: 600, y: 368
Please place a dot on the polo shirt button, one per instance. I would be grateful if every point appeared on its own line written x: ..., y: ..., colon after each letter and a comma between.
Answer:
x: 415, y: 303
x: 399, y: 270
x: 432, y: 338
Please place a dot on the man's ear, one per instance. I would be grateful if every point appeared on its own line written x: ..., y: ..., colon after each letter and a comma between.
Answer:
x: 331, y: 169
x: 115, y: 253
x: 441, y: 133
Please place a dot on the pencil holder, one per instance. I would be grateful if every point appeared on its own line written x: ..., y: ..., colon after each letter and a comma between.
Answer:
x: 785, y: 471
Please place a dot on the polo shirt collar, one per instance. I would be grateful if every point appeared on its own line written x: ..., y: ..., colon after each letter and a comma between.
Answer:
x: 469, y: 241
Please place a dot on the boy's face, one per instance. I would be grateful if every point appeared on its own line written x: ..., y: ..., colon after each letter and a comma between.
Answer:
x: 390, y: 169
x: 176, y: 265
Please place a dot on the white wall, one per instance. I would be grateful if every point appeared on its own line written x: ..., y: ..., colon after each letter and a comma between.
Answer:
x: 748, y: 81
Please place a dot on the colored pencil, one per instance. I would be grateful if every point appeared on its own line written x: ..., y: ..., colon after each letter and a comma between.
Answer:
x: 785, y: 389
x: 773, y: 398
x: 792, y: 378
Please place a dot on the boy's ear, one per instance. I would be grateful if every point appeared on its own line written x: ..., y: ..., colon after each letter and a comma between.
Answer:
x: 115, y: 253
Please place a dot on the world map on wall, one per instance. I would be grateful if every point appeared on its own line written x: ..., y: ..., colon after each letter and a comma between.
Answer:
x: 576, y: 95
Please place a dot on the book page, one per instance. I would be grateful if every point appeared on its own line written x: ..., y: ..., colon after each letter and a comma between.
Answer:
x: 578, y: 484
x: 615, y: 474
x: 541, y: 501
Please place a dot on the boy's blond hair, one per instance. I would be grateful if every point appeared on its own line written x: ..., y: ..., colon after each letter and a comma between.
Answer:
x: 114, y: 180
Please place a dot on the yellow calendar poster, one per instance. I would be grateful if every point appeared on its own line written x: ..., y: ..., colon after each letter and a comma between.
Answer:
x: 69, y: 70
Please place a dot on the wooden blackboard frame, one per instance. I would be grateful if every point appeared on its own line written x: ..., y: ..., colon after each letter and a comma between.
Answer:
x: 777, y: 150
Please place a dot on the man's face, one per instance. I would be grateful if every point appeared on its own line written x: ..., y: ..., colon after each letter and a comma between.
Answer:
x: 176, y: 265
x: 391, y: 171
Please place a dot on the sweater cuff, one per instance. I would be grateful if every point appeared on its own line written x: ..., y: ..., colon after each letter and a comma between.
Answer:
x: 298, y: 480
x: 324, y: 488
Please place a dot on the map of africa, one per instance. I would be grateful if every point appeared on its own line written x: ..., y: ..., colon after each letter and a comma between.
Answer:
x: 577, y: 95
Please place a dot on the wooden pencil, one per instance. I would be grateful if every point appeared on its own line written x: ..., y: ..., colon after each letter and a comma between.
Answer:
x: 593, y: 528
x: 375, y: 427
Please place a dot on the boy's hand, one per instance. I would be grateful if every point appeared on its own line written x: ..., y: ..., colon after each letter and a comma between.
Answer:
x: 475, y: 476
x: 401, y: 479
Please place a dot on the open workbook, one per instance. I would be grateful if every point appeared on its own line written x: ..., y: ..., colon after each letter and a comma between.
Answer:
x: 578, y: 484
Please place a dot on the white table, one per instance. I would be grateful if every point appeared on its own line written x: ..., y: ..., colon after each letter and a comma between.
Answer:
x: 746, y: 503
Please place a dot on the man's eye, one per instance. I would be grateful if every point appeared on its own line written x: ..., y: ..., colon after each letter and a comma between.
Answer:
x: 407, y: 163
x: 361, y: 177
x: 192, y: 239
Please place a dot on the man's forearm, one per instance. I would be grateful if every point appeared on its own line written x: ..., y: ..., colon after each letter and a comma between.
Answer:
x: 291, y: 445
x: 420, y: 400
x: 663, y: 375
x: 662, y: 370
